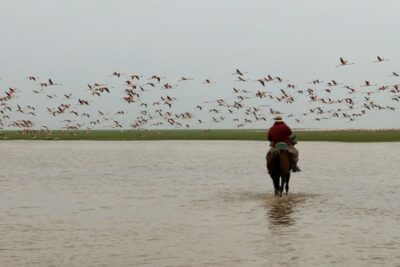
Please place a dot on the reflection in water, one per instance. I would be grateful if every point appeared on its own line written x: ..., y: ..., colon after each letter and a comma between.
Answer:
x: 280, y: 209
x: 280, y: 212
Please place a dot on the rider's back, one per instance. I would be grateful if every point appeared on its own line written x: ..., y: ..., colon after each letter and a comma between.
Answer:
x: 279, y: 132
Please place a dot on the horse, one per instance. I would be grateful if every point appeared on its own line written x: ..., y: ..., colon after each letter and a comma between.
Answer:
x: 279, y: 166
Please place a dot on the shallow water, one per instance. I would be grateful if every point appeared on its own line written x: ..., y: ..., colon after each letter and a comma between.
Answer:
x: 196, y: 203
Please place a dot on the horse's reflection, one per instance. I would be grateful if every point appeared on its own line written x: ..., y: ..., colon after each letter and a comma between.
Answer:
x: 280, y: 210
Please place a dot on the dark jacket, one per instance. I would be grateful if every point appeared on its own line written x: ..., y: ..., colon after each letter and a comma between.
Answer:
x: 279, y: 132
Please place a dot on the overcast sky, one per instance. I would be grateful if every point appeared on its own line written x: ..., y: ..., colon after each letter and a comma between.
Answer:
x: 80, y: 42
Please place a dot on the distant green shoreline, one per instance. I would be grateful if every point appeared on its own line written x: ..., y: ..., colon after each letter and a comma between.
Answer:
x: 255, y: 135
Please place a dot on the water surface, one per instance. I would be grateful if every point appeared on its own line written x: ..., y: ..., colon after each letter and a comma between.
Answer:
x: 196, y: 203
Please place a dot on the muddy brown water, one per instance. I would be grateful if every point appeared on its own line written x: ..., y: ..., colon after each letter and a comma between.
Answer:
x: 196, y: 203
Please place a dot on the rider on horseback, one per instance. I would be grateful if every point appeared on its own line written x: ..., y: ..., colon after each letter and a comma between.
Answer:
x: 280, y: 132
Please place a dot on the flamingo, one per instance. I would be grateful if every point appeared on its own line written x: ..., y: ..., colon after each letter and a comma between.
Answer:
x: 185, y: 79
x: 208, y: 81
x: 344, y: 63
x: 380, y: 59
x: 238, y: 72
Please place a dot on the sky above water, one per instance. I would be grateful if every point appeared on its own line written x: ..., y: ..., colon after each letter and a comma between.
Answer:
x: 76, y: 43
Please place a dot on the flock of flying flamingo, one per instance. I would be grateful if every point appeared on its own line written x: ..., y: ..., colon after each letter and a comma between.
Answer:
x: 266, y: 97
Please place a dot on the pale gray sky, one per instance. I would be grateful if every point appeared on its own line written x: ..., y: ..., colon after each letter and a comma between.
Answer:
x: 80, y: 42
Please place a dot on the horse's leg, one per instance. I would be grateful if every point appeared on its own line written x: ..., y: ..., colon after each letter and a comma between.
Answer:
x: 273, y: 170
x: 285, y: 170
x: 280, y: 185
x: 275, y: 179
x: 287, y: 183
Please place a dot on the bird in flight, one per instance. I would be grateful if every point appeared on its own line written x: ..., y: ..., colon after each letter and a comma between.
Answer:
x: 117, y: 74
x: 260, y: 81
x: 238, y: 72
x: 367, y: 83
x: 185, y: 79
x: 134, y: 76
x: 32, y: 78
x: 158, y: 78
x: 379, y: 59
x: 208, y: 81
x: 240, y: 79
x: 344, y: 63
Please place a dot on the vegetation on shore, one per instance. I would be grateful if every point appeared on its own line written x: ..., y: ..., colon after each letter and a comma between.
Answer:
x: 256, y: 135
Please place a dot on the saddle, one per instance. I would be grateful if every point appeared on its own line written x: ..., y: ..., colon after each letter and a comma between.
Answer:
x: 283, y: 146
x: 280, y: 146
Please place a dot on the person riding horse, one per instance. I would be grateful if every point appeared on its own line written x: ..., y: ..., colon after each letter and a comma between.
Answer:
x: 280, y: 132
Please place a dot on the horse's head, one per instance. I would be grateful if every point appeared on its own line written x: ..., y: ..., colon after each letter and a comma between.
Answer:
x: 293, y: 139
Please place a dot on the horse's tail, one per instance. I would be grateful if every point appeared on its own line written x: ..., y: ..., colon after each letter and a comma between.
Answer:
x: 283, y: 157
x: 273, y: 157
